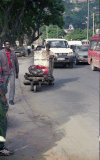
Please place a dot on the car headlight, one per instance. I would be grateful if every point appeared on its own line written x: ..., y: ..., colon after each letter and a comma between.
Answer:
x: 70, y: 53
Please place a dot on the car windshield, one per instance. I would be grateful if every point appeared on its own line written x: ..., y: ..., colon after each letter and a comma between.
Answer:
x: 58, y: 44
x: 82, y: 48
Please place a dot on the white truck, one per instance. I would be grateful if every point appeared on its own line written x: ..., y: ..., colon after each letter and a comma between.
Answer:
x: 60, y: 47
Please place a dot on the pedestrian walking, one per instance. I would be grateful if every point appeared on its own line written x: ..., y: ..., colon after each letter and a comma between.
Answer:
x: 9, y: 68
x: 3, y: 121
x: 29, y: 50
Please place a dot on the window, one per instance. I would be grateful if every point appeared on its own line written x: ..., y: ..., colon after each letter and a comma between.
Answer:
x: 93, y: 44
x: 58, y: 44
x: 98, y: 46
x: 39, y: 48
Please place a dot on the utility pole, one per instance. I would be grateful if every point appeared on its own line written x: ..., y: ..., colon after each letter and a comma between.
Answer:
x: 93, y: 24
x: 88, y: 24
x: 47, y: 31
x: 57, y: 31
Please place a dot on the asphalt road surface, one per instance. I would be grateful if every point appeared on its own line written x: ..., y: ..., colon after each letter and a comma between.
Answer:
x: 71, y: 106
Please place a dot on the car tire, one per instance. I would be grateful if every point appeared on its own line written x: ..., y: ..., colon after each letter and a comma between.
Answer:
x: 76, y: 61
x: 71, y: 65
x: 93, y: 67
x: 35, y: 88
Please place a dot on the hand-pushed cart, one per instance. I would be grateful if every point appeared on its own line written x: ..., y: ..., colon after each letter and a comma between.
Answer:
x: 37, y: 80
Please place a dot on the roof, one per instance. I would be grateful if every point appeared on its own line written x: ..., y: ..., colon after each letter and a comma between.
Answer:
x: 74, y: 42
x: 56, y: 39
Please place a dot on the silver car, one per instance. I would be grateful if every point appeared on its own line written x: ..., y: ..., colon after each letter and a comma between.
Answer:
x: 81, y: 54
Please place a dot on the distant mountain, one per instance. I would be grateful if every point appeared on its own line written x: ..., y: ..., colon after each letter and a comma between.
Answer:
x: 76, y: 13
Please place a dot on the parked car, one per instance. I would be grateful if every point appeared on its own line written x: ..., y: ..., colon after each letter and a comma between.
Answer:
x: 81, y: 54
x: 1, y: 47
x: 20, y: 51
x: 61, y: 48
x: 94, y: 52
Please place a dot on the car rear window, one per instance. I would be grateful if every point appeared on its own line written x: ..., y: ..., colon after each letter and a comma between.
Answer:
x: 82, y: 48
x: 84, y: 42
x: 39, y: 48
x: 93, y: 44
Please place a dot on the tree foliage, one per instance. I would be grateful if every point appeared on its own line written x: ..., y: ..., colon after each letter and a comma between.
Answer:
x: 53, y: 32
x: 27, y: 16
x: 79, y: 34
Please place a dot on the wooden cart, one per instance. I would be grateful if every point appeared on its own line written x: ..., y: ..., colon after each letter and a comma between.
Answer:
x: 48, y: 79
x: 36, y: 82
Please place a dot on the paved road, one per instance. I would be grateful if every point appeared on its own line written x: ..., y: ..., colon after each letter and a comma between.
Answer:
x: 71, y: 106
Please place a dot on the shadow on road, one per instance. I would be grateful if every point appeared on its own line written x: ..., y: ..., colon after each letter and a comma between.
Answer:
x: 80, y: 65
x: 58, y: 83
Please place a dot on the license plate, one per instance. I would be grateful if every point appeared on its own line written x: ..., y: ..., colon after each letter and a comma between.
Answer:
x: 81, y: 59
x: 61, y: 59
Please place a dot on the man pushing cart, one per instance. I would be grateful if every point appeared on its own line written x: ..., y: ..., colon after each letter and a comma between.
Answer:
x: 42, y: 70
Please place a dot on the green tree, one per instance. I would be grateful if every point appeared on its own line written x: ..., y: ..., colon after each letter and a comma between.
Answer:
x: 53, y: 32
x: 79, y: 34
x: 27, y: 16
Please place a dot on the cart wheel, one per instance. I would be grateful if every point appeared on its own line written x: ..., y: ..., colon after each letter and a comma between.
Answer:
x: 39, y: 88
x: 50, y: 83
x: 32, y: 88
x: 35, y: 88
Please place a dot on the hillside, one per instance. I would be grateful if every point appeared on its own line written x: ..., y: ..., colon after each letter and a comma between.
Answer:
x: 76, y: 12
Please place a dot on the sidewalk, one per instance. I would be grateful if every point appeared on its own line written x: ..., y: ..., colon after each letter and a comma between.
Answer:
x: 19, y: 126
x: 30, y: 136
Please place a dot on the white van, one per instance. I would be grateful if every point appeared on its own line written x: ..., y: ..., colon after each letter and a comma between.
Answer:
x: 60, y: 47
x: 84, y: 41
x: 74, y: 43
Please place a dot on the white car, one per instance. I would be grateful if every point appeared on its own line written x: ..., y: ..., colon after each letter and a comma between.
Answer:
x: 60, y: 47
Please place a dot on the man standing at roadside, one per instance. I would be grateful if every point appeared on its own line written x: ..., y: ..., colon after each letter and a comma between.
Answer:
x: 9, y: 68
x: 48, y: 54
